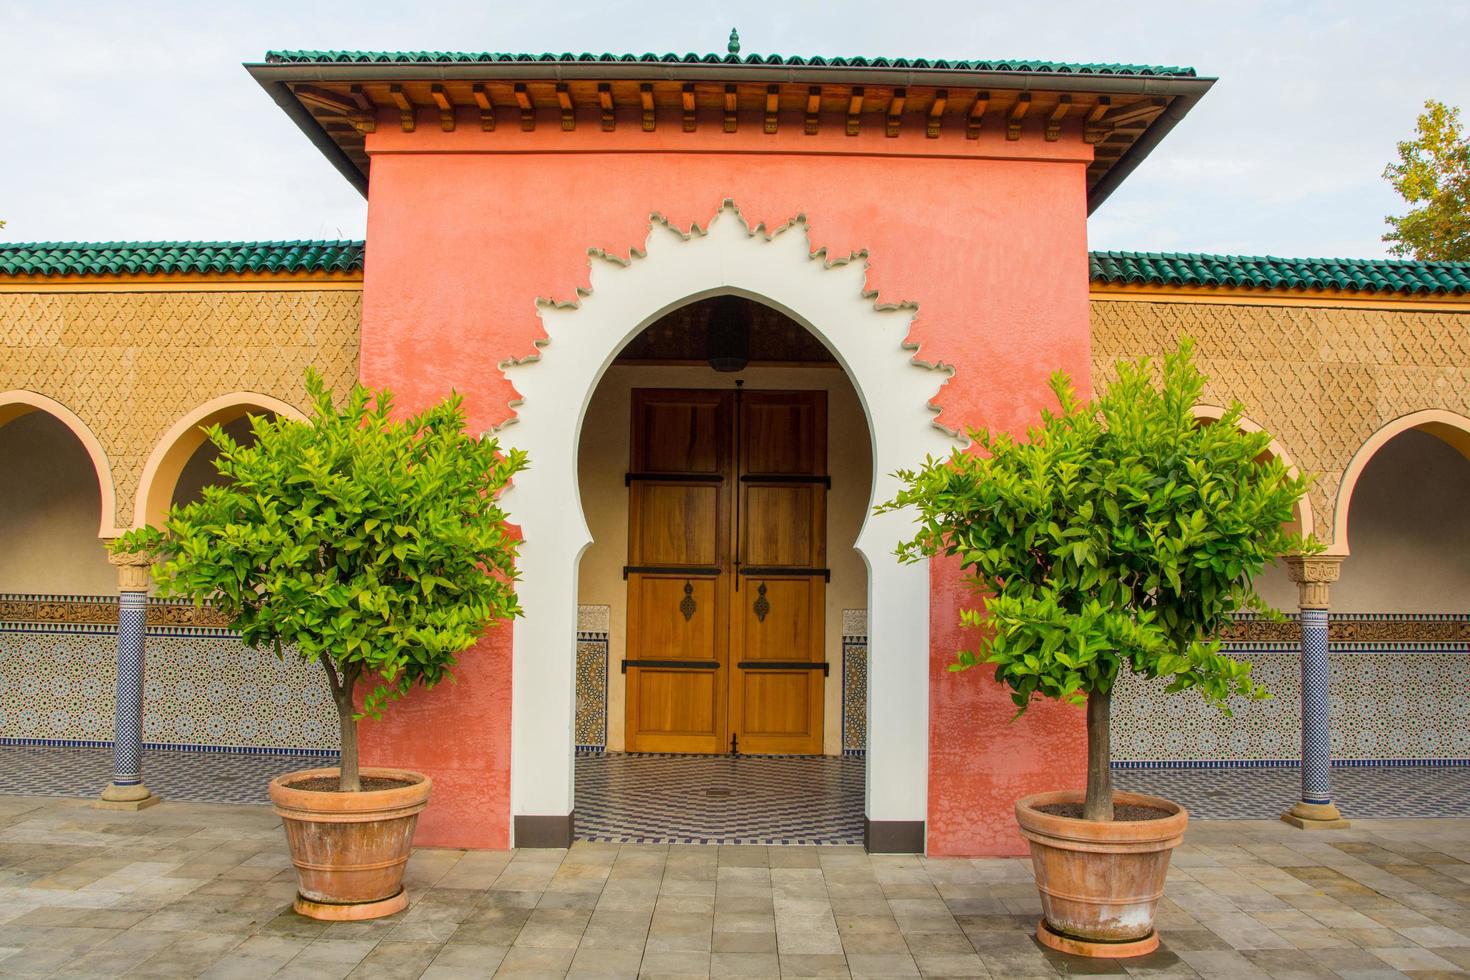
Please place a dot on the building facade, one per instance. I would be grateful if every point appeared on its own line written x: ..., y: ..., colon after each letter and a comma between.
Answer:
x: 886, y: 253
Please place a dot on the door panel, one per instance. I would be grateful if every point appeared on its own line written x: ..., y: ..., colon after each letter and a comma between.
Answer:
x: 678, y: 524
x: 680, y: 431
x: 781, y: 525
x: 677, y: 704
x: 784, y: 432
x: 777, y: 707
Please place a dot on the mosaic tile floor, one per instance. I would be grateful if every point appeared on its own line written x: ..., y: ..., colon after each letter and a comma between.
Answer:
x: 196, y: 777
x: 645, y: 798
x: 691, y: 799
x: 1261, y: 794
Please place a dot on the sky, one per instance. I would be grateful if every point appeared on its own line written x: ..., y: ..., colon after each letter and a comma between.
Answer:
x: 135, y: 121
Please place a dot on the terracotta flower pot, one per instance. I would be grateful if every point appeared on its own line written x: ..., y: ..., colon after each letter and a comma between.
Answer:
x: 1100, y: 881
x: 350, y: 848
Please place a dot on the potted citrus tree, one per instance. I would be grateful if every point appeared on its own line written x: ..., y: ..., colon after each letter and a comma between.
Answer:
x: 374, y: 547
x: 1121, y: 533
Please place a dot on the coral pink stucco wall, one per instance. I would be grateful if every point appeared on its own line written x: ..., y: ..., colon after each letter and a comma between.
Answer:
x: 467, y: 229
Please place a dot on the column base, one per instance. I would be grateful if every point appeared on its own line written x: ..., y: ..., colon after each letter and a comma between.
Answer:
x: 135, y: 797
x: 1315, y: 816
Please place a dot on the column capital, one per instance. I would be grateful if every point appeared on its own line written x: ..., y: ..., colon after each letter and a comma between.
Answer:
x: 134, y: 570
x: 1313, y: 575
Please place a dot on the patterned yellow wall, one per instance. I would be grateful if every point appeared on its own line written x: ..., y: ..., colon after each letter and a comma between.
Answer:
x: 1321, y: 379
x: 132, y: 362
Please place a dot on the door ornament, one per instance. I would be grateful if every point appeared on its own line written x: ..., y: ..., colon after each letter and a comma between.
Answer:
x: 762, y: 604
x: 687, y: 605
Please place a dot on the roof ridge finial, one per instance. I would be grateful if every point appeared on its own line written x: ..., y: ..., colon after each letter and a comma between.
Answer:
x: 734, y: 46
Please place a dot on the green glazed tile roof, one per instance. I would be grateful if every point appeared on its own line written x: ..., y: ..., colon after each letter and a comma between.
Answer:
x: 1120, y: 268
x: 124, y: 258
x: 815, y: 61
x: 1269, y: 272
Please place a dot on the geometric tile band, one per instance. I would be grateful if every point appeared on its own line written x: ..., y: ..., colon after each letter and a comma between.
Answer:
x: 854, y: 694
x: 1387, y: 702
x: 201, y: 687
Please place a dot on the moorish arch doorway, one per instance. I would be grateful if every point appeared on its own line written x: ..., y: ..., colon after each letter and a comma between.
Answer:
x: 895, y: 391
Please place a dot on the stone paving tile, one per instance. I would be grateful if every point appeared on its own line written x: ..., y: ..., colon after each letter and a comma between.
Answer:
x: 190, y: 890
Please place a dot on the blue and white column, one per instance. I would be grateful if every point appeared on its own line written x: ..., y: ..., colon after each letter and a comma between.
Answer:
x: 127, y: 791
x: 1314, y: 576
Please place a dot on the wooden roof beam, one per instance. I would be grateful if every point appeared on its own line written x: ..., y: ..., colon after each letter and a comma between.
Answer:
x: 486, y: 107
x: 645, y: 98
x: 1018, y: 113
x: 605, y: 104
x: 936, y: 113
x: 773, y: 106
x: 691, y: 117
x: 977, y: 115
x: 325, y: 99
x: 732, y: 119
x: 528, y: 110
x: 813, y: 109
x: 1092, y: 129
x: 1054, y: 121
x: 568, y: 114
x: 855, y: 110
x: 400, y: 98
x: 1137, y: 112
x: 446, y: 107
x: 895, y: 111
x: 356, y: 110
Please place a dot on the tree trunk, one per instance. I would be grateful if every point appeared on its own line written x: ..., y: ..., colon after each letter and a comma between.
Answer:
x: 1099, y: 803
x: 348, y: 779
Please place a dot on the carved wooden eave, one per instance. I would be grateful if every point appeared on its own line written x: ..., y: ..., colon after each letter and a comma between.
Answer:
x: 1122, y: 116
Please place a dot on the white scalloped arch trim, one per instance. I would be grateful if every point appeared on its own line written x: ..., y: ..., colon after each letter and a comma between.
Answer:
x: 896, y: 389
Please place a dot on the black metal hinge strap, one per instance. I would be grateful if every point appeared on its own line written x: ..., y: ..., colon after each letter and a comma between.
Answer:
x: 775, y: 571
x: 630, y: 478
x: 795, y: 478
x: 688, y: 571
x: 824, y: 667
x: 673, y: 664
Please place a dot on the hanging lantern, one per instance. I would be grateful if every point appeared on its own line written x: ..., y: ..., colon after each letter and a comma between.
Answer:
x: 729, y: 335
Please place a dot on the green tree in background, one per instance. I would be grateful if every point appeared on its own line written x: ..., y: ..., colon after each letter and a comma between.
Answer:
x: 1433, y: 176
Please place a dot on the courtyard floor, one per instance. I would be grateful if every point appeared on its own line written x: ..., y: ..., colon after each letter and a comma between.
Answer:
x: 187, y: 889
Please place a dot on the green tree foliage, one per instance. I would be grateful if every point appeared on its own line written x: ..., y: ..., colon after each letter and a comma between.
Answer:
x: 1119, y: 532
x: 1433, y: 176
x: 373, y: 546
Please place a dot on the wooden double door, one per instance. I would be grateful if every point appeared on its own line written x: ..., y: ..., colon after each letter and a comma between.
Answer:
x: 727, y: 554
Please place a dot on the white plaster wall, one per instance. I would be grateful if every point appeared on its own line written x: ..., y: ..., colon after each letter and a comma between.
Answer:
x: 603, y: 459
x: 1410, y: 531
x: 50, y: 505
